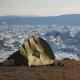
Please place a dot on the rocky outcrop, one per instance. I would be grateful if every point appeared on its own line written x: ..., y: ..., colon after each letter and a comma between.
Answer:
x: 69, y: 71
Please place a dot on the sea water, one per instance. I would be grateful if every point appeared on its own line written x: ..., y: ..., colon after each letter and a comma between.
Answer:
x: 9, y: 35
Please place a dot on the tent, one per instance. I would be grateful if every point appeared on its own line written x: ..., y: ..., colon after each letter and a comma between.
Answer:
x: 34, y: 51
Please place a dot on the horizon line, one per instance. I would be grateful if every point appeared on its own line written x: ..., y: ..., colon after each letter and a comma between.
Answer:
x: 40, y: 16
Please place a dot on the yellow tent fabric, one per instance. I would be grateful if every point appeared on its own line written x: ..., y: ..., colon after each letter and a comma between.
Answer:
x: 37, y: 51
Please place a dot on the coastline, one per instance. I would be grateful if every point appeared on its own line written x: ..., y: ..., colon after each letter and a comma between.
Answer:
x: 69, y: 71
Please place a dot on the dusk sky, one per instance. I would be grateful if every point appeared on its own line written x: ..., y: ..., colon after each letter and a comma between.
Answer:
x: 39, y: 7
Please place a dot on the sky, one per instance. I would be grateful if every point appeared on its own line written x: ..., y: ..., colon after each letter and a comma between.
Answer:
x: 39, y: 7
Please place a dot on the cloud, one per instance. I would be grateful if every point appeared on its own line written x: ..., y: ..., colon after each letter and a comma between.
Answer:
x: 39, y: 7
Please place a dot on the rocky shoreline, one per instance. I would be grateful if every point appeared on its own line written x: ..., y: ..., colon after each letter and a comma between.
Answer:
x: 66, y: 70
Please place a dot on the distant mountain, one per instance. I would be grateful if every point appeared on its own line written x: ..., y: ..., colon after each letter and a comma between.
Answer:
x: 71, y: 20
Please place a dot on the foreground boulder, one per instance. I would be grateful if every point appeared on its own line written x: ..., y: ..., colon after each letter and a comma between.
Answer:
x: 34, y: 51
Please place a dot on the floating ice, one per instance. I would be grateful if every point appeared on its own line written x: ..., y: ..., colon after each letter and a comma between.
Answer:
x: 62, y: 55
